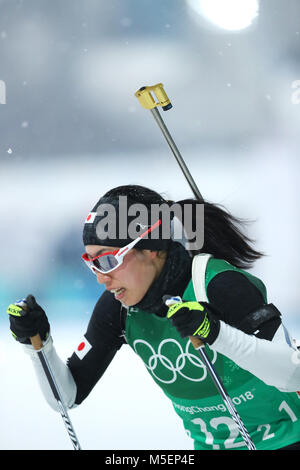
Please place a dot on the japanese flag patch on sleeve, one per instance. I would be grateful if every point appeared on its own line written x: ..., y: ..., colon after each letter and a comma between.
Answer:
x: 83, y: 347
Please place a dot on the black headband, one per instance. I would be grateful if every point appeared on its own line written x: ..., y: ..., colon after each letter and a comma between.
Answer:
x: 116, y: 221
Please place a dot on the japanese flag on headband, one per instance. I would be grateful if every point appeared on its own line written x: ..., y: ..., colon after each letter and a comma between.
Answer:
x: 83, y: 348
x: 90, y: 218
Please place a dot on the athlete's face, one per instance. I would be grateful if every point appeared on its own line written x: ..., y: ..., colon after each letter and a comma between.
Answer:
x: 131, y: 280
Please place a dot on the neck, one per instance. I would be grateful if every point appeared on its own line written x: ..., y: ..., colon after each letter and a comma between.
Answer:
x: 159, y: 263
x: 173, y: 275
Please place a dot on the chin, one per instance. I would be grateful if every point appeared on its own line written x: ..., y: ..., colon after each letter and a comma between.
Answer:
x: 131, y: 302
x: 128, y: 303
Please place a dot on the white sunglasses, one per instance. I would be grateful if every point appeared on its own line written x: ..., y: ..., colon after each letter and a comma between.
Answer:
x: 111, y: 260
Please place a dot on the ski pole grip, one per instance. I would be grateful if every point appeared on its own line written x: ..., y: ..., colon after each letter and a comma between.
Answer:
x: 146, y: 99
x: 196, y: 342
x: 36, y: 342
x: 169, y: 300
x: 36, y: 339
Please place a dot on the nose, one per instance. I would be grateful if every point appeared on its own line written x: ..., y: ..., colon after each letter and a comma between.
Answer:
x: 103, y: 278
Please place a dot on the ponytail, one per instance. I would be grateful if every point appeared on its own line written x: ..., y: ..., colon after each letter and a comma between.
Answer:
x: 223, y: 235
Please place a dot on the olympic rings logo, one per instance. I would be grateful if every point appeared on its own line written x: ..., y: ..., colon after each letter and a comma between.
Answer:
x: 184, y: 358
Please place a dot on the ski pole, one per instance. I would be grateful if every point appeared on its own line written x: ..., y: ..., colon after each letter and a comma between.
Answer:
x: 146, y: 99
x: 37, y: 344
x: 200, y: 348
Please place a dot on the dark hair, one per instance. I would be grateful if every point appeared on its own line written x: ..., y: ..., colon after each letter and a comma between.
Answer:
x: 137, y: 193
x: 224, y: 236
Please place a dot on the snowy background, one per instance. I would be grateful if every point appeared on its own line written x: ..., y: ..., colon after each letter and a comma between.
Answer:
x: 71, y: 128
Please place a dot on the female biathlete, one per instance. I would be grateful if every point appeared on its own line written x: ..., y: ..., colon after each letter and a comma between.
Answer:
x: 220, y: 302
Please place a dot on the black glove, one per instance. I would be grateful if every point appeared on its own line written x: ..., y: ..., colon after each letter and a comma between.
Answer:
x: 28, y: 319
x: 195, y: 319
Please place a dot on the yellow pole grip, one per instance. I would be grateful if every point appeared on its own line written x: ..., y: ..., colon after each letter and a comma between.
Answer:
x: 146, y: 99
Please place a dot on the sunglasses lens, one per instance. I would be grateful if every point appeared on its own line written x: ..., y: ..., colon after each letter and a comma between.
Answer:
x: 106, y: 263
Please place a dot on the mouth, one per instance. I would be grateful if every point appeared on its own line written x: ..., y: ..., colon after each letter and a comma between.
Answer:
x: 118, y: 293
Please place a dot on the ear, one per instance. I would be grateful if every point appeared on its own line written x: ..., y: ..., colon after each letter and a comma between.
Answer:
x: 150, y: 254
x: 153, y: 254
